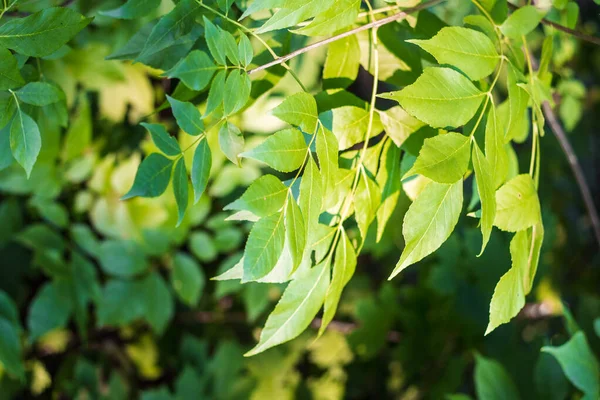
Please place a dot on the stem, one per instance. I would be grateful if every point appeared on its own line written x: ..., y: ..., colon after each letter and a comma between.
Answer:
x: 372, y: 24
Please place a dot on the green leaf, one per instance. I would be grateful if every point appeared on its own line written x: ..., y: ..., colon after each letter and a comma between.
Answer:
x: 212, y: 34
x: 366, y: 203
x: 492, y: 381
x: 122, y: 258
x: 579, y: 364
x: 10, y: 349
x: 132, y: 9
x: 350, y: 124
x: 509, y: 294
x: 264, y: 197
x: 295, y: 230
x: 295, y: 13
x: 340, y: 15
x: 245, y: 50
x: 8, y: 106
x: 283, y: 151
x: 341, y: 65
x: 79, y: 134
x: 518, y: 206
x: 236, y: 92
x: 399, y: 125
x: 440, y: 97
x: 311, y: 199
x: 170, y: 29
x: 227, y: 40
x: 215, y: 94
x: 43, y: 32
x: 50, y: 309
x: 388, y: 176
x: 187, y: 278
x: 487, y: 194
x: 25, y: 140
x: 429, y: 221
x: 201, y: 165
x: 521, y: 22
x: 518, y: 100
x: 195, y: 70
x: 299, y: 110
x: 494, y: 147
x: 231, y: 142
x: 343, y: 269
x: 264, y: 246
x: 39, y: 94
x: 10, y: 77
x: 299, y: 304
x: 161, y: 138
x: 156, y: 300
x: 152, y: 177
x: 327, y: 152
x: 180, y: 188
x: 187, y: 115
x: 443, y: 158
x: 469, y: 50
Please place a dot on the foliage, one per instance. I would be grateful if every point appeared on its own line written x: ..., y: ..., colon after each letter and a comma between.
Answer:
x: 297, y: 184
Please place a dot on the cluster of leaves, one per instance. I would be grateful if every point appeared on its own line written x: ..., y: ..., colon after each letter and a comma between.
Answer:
x: 344, y: 173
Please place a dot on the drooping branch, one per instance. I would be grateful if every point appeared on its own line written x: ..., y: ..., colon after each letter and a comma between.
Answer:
x: 370, y: 25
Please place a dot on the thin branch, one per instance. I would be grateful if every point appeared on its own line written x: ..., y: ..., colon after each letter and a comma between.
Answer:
x: 374, y: 24
x: 582, y: 36
x: 575, y: 167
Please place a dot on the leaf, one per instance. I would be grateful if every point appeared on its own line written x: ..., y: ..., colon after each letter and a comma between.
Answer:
x: 311, y: 199
x: 579, y: 364
x: 187, y: 278
x: 492, y: 382
x: 132, y: 9
x: 8, y: 107
x: 25, y: 140
x: 215, y: 94
x: 343, y: 269
x: 521, y: 22
x: 440, y: 97
x: 39, y: 94
x: 201, y: 165
x: 264, y: 197
x: 327, y: 152
x: 295, y: 231
x: 152, y: 177
x: 295, y: 13
x: 264, y: 246
x: 213, y: 35
x: 429, y: 221
x: 227, y: 40
x: 10, y: 349
x: 170, y: 29
x: 517, y: 101
x: 388, y: 176
x: 195, y: 70
x: 517, y: 204
x: 283, y: 151
x: 180, y: 188
x: 487, y: 193
x: 10, y: 77
x: 236, y: 92
x: 79, y: 134
x: 443, y: 158
x: 340, y: 15
x: 122, y: 258
x: 42, y: 33
x: 494, y: 147
x: 231, y: 142
x: 187, y: 115
x: 509, y: 294
x: 399, y: 125
x: 366, y: 203
x: 350, y: 125
x: 341, y: 65
x: 299, y: 304
x: 156, y: 300
x: 245, y: 50
x: 299, y: 110
x: 467, y: 49
x: 50, y: 309
x: 161, y: 138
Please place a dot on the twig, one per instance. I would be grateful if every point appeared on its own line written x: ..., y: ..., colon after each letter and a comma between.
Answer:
x: 374, y: 24
x: 562, y: 28
x: 575, y: 167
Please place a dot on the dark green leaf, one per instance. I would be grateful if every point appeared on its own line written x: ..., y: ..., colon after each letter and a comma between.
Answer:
x: 187, y: 115
x: 152, y: 177
x: 122, y: 258
x: 161, y: 138
x: 10, y: 77
x: 201, y: 165
x: 180, y: 188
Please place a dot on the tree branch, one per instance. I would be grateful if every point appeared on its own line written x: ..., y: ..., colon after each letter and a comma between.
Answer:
x: 575, y: 167
x: 374, y: 24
